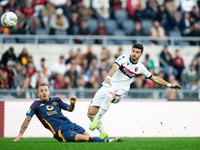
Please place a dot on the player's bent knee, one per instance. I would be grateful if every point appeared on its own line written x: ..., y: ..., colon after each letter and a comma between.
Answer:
x: 110, y: 95
x: 92, y: 111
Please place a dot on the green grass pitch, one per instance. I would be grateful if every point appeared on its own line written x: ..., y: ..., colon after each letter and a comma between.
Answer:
x: 126, y: 144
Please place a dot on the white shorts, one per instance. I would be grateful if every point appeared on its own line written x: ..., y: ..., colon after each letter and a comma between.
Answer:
x: 101, y: 94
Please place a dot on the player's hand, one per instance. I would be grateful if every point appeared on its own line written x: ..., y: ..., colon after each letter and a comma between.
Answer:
x: 20, y: 136
x: 106, y: 80
x: 73, y: 99
x: 175, y: 86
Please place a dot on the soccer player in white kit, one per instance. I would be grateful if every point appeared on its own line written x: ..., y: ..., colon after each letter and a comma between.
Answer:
x: 117, y: 83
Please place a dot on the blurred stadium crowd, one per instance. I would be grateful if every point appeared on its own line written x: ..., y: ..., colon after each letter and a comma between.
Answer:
x: 98, y: 17
x: 105, y: 17
x: 86, y: 70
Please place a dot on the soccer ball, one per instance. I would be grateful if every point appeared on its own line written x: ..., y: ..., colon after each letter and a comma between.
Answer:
x: 9, y: 19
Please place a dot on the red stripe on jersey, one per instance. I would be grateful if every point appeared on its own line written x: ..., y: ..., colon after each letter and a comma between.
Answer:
x: 117, y: 95
x: 129, y: 72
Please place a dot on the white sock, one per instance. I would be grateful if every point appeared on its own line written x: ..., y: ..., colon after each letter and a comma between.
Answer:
x: 104, y: 106
x: 99, y: 126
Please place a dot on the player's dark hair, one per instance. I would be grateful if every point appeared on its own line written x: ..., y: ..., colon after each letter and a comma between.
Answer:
x: 139, y: 46
x: 43, y: 85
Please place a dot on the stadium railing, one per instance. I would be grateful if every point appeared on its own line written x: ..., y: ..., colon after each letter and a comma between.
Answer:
x: 165, y: 93
x: 106, y: 40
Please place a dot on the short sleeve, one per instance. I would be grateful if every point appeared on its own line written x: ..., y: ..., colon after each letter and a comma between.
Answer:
x: 32, y: 109
x: 146, y: 73
x: 121, y: 59
x: 62, y: 104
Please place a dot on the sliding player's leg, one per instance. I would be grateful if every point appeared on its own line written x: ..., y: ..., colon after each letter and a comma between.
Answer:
x: 86, y: 138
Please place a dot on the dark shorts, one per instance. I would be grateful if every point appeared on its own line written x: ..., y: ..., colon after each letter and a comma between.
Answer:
x: 67, y: 132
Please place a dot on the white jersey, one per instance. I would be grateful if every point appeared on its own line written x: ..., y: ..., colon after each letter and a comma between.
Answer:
x: 127, y: 72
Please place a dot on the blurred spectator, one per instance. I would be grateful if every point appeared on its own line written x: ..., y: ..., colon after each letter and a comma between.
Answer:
x: 46, y: 13
x: 80, y: 83
x: 186, y: 5
x: 194, y: 14
x: 30, y: 69
x: 20, y: 74
x: 89, y: 84
x: 44, y: 69
x: 93, y: 65
x: 173, y: 22
x: 31, y: 21
x: 185, y: 24
x: 73, y: 75
x: 10, y: 73
x: 115, y: 4
x: 38, y: 5
x: 58, y: 3
x: 101, y: 30
x: 89, y: 55
x: 163, y: 55
x: 101, y: 8
x: 67, y: 83
x: 169, y: 67
x: 148, y: 63
x: 198, y: 4
x: 74, y: 23
x: 73, y: 62
x: 162, y: 15
x: 24, y: 56
x: 58, y: 22
x: 195, y: 32
x: 59, y: 67
x: 67, y: 8
x: 104, y: 54
x: 8, y: 55
x: 59, y: 81
x: 20, y: 2
x: 103, y: 67
x: 196, y: 57
x: 11, y: 6
x: 79, y: 57
x: 139, y: 14
x: 71, y: 56
x: 151, y: 8
x: 190, y: 78
x: 178, y: 64
x: 157, y: 31
x: 120, y: 50
x: 97, y: 75
x: 84, y: 12
x: 25, y: 86
x: 132, y: 6
x: 38, y: 78
x: 19, y: 28
x: 4, y: 80
x: 1, y: 11
x: 170, y: 6
x: 137, y: 31
x: 197, y: 66
x: 83, y: 30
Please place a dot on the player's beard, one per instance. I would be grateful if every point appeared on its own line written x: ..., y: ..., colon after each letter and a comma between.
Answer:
x: 134, y: 59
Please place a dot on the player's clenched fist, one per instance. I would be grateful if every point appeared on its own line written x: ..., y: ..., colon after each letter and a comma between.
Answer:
x: 73, y: 99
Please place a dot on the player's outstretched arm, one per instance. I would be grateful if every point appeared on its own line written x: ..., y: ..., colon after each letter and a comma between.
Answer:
x: 160, y: 81
x: 23, y: 128
x: 72, y: 104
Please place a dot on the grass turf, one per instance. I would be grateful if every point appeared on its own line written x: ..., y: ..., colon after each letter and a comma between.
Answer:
x: 126, y: 144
